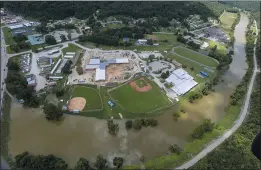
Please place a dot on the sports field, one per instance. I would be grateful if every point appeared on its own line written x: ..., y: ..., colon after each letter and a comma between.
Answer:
x: 140, y: 102
x: 190, y: 54
x: 140, y: 83
x: 227, y: 20
x: 193, y: 68
x: 93, y: 100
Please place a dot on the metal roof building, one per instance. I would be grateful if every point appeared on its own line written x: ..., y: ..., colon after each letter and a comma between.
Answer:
x: 100, y: 74
x: 182, y: 81
x: 94, y: 61
x: 16, y: 26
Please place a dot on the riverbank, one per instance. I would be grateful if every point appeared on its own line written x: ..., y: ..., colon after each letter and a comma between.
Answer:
x: 194, y: 147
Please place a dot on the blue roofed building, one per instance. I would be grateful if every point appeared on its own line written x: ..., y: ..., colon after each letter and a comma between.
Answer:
x: 111, y: 103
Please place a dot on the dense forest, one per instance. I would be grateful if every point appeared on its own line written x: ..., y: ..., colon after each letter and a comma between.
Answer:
x: 252, y: 6
x: 82, y: 10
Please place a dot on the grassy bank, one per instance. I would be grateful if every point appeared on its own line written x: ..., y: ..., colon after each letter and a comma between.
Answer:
x: 5, y: 126
x: 8, y: 36
x: 236, y: 150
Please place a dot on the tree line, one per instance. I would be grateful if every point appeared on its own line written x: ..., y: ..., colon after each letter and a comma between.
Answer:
x: 27, y: 160
x: 16, y: 84
x: 82, y: 10
x: 113, y: 37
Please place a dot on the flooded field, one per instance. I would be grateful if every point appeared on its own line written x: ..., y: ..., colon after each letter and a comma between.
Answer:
x: 79, y: 136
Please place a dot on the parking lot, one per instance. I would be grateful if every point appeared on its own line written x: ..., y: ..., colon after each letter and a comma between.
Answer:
x: 25, y: 62
x: 214, y: 34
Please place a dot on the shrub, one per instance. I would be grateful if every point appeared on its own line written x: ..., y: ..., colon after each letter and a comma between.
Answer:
x: 128, y: 124
x: 137, y: 124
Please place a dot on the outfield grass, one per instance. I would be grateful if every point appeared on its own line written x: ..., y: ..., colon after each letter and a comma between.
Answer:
x: 5, y: 126
x: 227, y: 20
x: 195, y: 71
x: 140, y: 102
x: 8, y: 36
x: 93, y: 100
x: 196, y: 56
x: 71, y: 48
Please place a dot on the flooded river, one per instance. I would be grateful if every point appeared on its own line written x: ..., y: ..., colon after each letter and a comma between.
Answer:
x: 79, y: 136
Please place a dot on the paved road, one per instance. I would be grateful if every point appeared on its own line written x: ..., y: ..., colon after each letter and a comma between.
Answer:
x: 239, y: 121
x: 4, y: 164
x: 3, y: 67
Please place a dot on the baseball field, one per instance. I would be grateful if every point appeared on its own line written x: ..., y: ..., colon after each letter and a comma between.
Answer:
x: 91, y: 95
x: 140, y: 96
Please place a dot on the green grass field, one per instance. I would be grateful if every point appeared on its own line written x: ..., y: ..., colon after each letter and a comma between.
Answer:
x: 221, y: 48
x: 71, y: 48
x: 140, y: 102
x: 93, y: 100
x: 8, y: 36
x: 196, y: 56
x: 196, y: 68
x: 140, y: 83
x: 227, y: 20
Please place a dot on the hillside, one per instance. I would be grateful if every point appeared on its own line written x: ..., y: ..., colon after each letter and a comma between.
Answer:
x: 61, y: 10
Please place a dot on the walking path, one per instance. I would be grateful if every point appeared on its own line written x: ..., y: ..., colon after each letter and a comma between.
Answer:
x: 238, y: 123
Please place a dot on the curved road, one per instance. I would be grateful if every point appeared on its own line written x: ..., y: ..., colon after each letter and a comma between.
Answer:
x: 237, y: 124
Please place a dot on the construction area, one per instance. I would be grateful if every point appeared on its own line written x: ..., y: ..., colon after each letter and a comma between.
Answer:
x: 102, y: 67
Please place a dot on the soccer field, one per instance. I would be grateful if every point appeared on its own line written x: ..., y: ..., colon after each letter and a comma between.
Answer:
x: 93, y: 100
x: 208, y: 61
x: 227, y: 20
x: 140, y: 102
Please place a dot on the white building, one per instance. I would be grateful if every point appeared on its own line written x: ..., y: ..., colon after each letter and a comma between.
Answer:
x: 182, y: 82
x: 12, y: 27
x: 53, y: 52
x: 68, y: 56
x: 142, y: 42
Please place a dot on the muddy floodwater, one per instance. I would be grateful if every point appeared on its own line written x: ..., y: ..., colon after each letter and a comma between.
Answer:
x: 79, y: 136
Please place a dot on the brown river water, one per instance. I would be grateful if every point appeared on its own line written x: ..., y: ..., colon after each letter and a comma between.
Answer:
x: 79, y: 136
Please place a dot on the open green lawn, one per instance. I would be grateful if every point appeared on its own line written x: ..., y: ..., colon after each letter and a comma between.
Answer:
x: 93, y: 100
x: 71, y: 48
x: 196, y: 68
x: 140, y: 102
x: 220, y: 47
x: 227, y: 20
x: 8, y: 36
x: 196, y: 56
